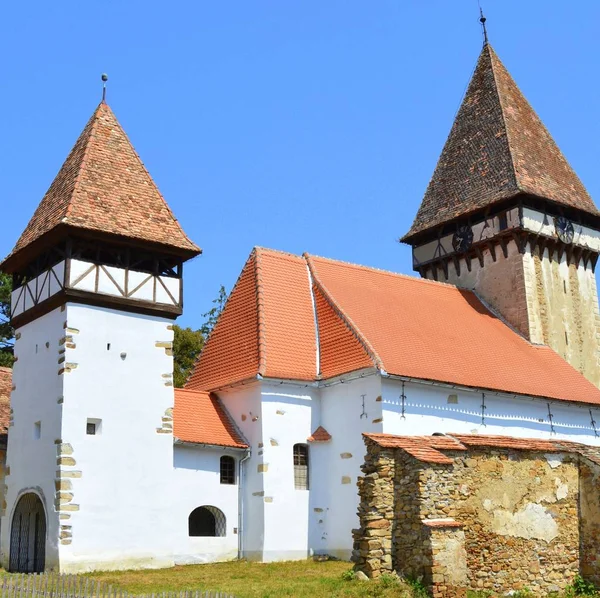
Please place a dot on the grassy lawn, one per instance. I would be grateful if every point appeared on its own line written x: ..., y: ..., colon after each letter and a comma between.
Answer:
x: 300, y: 579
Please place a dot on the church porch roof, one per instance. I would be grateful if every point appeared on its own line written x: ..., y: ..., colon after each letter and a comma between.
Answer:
x: 200, y: 418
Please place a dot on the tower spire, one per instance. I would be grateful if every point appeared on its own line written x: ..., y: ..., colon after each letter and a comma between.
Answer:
x: 482, y: 20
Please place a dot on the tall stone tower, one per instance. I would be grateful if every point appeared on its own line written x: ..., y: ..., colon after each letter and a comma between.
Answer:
x: 97, y: 278
x: 506, y: 216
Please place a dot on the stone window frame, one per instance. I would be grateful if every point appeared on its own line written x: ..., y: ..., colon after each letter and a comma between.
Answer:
x: 301, y: 466
x: 227, y: 469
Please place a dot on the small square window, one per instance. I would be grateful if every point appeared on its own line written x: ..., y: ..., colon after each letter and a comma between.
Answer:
x: 227, y: 470
x: 93, y: 427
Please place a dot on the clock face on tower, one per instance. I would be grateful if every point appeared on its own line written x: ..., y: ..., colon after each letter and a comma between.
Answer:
x: 564, y: 229
x: 463, y: 238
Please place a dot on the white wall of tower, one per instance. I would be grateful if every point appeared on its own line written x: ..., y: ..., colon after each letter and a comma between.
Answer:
x: 36, y: 397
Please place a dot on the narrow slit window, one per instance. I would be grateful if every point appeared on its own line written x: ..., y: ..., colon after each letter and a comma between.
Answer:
x: 301, y: 466
x: 37, y: 430
x: 227, y: 470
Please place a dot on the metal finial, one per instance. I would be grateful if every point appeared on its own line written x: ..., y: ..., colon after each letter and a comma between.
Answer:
x: 482, y: 20
x: 104, y: 80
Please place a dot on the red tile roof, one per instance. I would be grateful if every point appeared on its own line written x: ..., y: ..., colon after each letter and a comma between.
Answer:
x: 103, y: 186
x: 498, y: 147
x: 267, y: 327
x: 200, y: 418
x: 371, y: 318
x: 319, y: 435
x: 5, y: 390
x: 429, y: 449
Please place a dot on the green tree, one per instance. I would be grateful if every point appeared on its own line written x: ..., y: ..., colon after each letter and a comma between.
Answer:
x: 212, y: 315
x: 7, y: 332
x: 187, y: 344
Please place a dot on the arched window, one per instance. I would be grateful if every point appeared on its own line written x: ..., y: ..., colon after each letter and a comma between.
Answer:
x: 207, y: 521
x: 227, y: 470
x: 301, y: 466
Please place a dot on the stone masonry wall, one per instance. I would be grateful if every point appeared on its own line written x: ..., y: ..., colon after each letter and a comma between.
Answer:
x: 372, y: 550
x: 498, y: 519
x: 589, y: 508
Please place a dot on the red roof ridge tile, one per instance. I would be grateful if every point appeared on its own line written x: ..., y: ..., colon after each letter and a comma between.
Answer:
x: 345, y: 263
x: 377, y: 361
x: 261, y: 336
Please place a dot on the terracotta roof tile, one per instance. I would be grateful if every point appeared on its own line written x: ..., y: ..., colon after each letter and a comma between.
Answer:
x: 5, y: 391
x: 498, y: 147
x: 267, y: 327
x: 434, y: 331
x: 340, y: 350
x: 370, y: 318
x: 103, y: 186
x: 428, y: 449
x: 200, y: 418
x: 319, y: 435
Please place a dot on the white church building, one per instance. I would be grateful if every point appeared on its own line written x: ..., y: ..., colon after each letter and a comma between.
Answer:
x: 109, y: 466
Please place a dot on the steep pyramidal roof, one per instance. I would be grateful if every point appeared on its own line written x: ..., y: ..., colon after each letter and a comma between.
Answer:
x: 497, y: 147
x: 104, y: 187
x: 310, y: 318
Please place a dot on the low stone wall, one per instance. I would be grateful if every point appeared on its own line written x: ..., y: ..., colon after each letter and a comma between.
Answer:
x: 481, y: 517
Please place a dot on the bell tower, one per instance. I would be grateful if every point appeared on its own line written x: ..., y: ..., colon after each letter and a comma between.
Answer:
x: 506, y: 216
x: 97, y: 282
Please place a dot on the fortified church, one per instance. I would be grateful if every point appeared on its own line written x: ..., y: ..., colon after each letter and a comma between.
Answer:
x: 109, y: 466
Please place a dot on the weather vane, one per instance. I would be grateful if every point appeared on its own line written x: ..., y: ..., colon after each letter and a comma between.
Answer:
x: 482, y: 20
x: 104, y: 80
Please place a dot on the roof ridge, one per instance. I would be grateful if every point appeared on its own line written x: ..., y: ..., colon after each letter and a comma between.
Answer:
x: 276, y: 251
x: 94, y: 122
x: 370, y: 350
x: 262, y: 342
x: 513, y: 170
x: 141, y: 163
x: 387, y: 272
x: 221, y: 407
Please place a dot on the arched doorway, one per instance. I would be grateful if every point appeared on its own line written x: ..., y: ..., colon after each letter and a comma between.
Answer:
x: 28, y: 535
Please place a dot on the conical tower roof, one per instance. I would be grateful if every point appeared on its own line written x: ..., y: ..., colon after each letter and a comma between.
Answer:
x: 104, y: 187
x: 498, y: 147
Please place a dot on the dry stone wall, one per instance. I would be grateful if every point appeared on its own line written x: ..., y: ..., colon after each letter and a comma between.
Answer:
x: 483, y: 518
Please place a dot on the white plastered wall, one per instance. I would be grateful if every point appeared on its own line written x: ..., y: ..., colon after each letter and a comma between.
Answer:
x: 196, y: 483
x: 36, y: 397
x: 430, y: 408
x: 118, y: 371
x: 244, y: 406
x: 289, y: 416
x: 337, y: 463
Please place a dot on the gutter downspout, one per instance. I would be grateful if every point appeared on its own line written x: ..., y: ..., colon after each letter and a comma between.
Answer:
x: 241, y: 502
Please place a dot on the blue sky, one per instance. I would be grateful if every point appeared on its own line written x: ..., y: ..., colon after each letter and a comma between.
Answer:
x: 309, y: 125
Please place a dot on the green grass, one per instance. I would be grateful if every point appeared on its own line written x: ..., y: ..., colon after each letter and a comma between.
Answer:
x: 300, y: 579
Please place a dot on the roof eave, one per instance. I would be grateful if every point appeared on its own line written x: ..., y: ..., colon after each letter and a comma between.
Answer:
x: 194, y: 444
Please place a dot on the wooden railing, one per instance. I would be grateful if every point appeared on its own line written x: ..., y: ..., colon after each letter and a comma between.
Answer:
x: 54, y: 585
